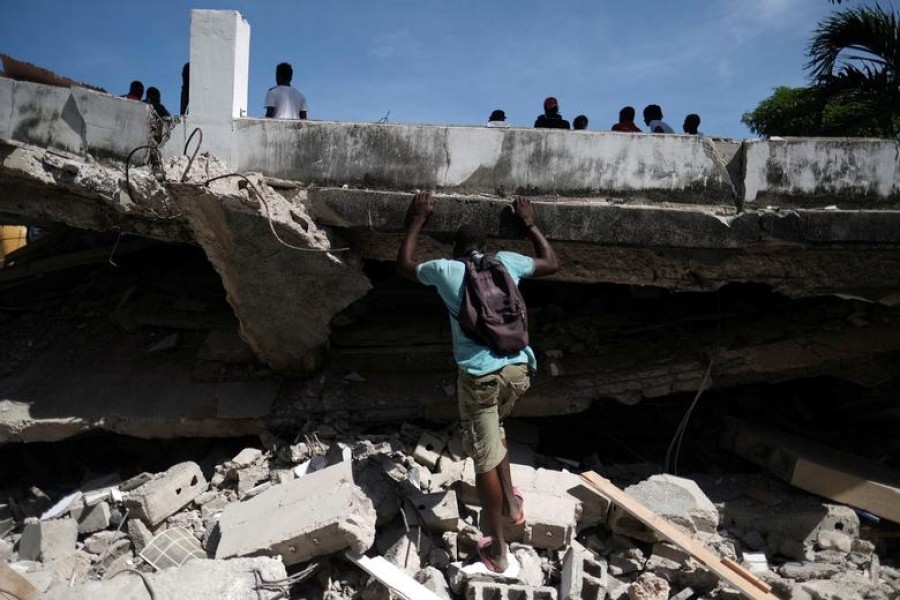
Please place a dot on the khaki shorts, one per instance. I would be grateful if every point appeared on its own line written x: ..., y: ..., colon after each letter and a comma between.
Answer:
x: 483, y: 403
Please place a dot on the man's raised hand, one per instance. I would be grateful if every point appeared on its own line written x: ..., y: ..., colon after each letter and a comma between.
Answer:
x: 523, y: 208
x: 422, y: 205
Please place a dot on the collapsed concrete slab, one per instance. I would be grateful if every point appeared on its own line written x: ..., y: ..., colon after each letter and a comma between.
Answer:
x: 272, y: 240
x: 315, y: 515
x: 797, y: 172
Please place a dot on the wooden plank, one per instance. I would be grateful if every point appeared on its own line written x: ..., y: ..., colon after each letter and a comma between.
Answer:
x: 13, y: 585
x: 740, y: 570
x: 819, y: 469
x: 878, y: 498
x: 747, y: 584
x: 396, y: 580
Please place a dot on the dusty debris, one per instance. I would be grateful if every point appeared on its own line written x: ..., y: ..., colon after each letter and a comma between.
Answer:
x: 369, y: 516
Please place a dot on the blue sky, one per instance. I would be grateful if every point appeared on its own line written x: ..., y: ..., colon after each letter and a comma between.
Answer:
x: 450, y: 62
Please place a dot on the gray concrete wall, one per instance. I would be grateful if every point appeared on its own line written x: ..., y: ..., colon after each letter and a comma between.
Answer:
x: 798, y: 172
x: 74, y: 120
x: 639, y: 168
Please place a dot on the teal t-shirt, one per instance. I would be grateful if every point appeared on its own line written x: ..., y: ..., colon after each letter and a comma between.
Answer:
x: 447, y: 276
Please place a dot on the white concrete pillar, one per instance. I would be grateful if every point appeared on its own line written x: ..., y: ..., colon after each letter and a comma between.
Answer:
x: 220, y: 72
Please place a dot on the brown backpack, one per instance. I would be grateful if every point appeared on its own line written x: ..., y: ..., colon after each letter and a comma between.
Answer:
x: 492, y: 312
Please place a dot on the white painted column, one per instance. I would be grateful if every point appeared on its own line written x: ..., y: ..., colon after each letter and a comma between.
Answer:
x: 220, y: 71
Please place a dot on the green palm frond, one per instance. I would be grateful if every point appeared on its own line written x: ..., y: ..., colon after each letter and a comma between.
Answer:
x: 863, y: 35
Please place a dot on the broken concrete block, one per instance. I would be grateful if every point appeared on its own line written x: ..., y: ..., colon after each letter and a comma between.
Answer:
x: 249, y: 477
x: 429, y: 449
x: 246, y: 457
x: 530, y: 571
x: 214, y: 506
x: 162, y: 497
x: 140, y: 535
x: 100, y: 541
x: 807, y: 571
x: 550, y: 521
x: 48, y: 540
x: 678, y: 500
x: 584, y: 575
x: 135, y: 482
x: 439, y: 511
x: 834, y: 540
x: 117, y: 549
x: 203, y: 578
x: 490, y: 590
x: 92, y: 518
x: 649, y: 587
x: 618, y: 588
x: 318, y: 514
x: 626, y: 561
x: 435, y: 582
x: 404, y: 549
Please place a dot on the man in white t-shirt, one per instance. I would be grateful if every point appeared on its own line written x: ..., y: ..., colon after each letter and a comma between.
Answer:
x: 283, y: 101
x: 653, y: 117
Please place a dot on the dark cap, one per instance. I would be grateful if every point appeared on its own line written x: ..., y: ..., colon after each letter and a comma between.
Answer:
x: 550, y: 103
x: 497, y: 115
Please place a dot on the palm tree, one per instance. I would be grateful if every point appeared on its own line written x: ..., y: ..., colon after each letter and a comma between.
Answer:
x: 855, y: 55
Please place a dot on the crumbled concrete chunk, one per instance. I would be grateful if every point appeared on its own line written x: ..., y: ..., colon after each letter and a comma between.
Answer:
x: 677, y: 499
x: 162, y: 497
x: 648, y: 587
x: 318, y: 514
x: 48, y: 540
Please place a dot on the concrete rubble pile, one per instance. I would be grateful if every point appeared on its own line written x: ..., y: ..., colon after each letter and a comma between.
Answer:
x: 295, y: 518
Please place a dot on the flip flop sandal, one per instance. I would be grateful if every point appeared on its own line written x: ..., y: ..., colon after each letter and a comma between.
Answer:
x: 483, y: 543
x: 521, y: 519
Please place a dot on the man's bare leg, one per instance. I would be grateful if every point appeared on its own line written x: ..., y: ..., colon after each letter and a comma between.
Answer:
x: 512, y: 506
x: 490, y: 493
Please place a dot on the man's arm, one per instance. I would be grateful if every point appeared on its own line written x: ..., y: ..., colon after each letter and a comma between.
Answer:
x: 419, y: 210
x: 545, y: 263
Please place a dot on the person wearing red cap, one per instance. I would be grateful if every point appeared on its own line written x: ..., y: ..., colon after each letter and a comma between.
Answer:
x: 551, y: 119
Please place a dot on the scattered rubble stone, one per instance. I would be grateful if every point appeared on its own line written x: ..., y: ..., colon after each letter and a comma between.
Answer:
x: 201, y: 579
x: 410, y: 498
x: 92, y: 518
x: 679, y: 500
x: 648, y: 587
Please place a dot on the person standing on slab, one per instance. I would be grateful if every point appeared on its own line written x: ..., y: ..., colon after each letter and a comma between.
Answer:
x: 488, y: 383
x: 284, y: 101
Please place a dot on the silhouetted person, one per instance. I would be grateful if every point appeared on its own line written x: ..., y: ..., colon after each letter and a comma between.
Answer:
x: 154, y: 99
x: 135, y: 91
x: 653, y: 117
x: 626, y: 121
x: 551, y: 119
x: 580, y: 122
x: 691, y: 123
x: 497, y: 119
x: 185, y: 88
x: 283, y: 101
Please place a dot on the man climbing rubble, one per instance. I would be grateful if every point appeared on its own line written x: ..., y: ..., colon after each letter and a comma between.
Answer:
x: 488, y: 383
